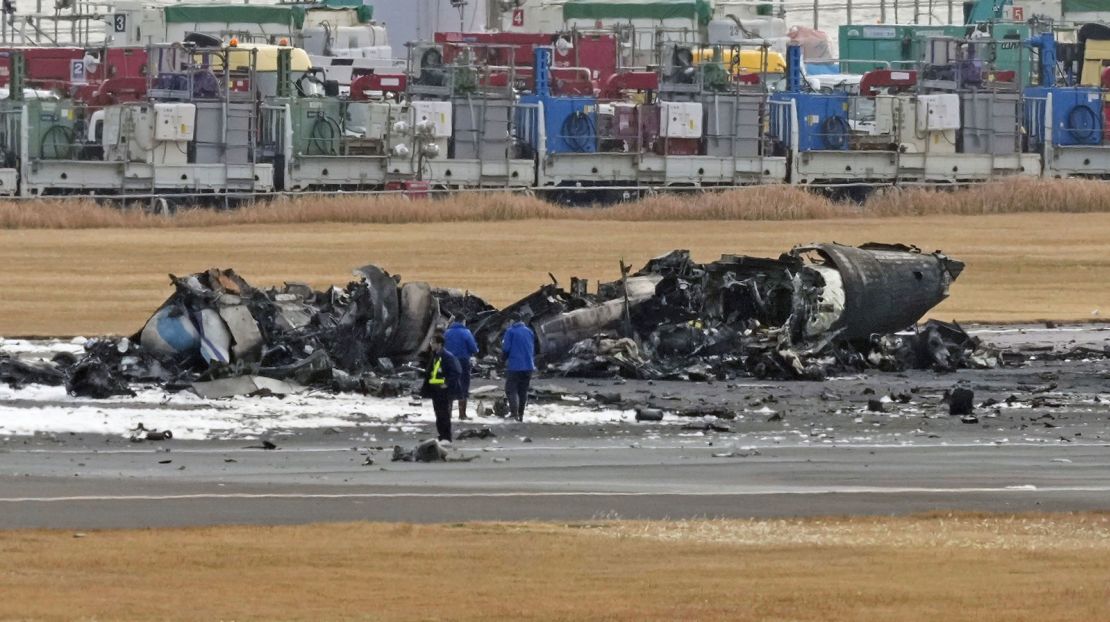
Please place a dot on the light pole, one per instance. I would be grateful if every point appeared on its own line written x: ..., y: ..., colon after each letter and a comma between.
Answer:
x: 461, y: 6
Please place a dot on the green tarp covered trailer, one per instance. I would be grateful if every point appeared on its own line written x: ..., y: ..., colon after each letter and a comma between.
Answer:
x: 235, y: 14
x: 1086, y: 6
x: 292, y: 15
x: 365, y: 11
x: 697, y: 10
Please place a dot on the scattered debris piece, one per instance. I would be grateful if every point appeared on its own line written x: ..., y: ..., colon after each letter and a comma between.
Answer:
x: 607, y: 398
x: 265, y: 444
x: 472, y: 433
x: 737, y: 454
x: 701, y: 412
x: 707, y: 426
x: 18, y: 374
x: 461, y: 458
x: 961, y: 401
x: 427, y: 451
x: 92, y: 377
x: 140, y: 434
x: 256, y: 386
x: 649, y: 414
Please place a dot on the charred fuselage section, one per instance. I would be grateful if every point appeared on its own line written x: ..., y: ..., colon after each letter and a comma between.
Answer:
x: 815, y: 310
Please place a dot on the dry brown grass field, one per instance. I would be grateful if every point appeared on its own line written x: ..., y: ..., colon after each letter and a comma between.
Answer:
x: 1034, y: 250
x: 753, y: 203
x: 91, y: 281
x: 892, y: 569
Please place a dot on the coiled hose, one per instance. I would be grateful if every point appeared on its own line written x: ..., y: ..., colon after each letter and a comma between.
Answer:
x: 58, y: 149
x: 579, y: 132
x: 1083, y: 124
x: 321, y: 140
x: 836, y: 131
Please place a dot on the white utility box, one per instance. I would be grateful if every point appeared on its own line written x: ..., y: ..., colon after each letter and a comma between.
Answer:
x: 132, y: 133
x: 140, y: 122
x: 174, y: 122
x: 884, y: 114
x: 938, y: 113
x: 374, y: 119
x: 115, y: 149
x: 436, y: 113
x: 905, y: 117
x: 680, y: 119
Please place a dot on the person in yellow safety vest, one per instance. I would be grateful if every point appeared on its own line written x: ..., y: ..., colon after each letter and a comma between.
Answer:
x: 441, y: 384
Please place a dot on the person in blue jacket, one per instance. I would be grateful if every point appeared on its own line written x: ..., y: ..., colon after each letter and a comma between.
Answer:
x: 518, y: 350
x: 441, y: 384
x: 460, y: 342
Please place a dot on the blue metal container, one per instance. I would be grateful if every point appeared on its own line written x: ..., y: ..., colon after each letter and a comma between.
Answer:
x: 570, y: 123
x: 1076, y: 115
x: 822, y: 119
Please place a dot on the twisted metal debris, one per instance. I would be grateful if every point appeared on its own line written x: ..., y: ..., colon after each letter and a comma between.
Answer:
x: 816, y: 310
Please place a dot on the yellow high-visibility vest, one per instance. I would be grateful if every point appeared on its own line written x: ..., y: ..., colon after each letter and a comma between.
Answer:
x: 437, y: 372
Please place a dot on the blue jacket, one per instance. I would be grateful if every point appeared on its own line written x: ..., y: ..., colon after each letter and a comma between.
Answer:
x: 519, y: 348
x: 459, y: 341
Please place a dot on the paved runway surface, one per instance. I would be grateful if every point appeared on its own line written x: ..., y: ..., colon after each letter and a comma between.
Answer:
x: 548, y: 482
x: 1040, y: 442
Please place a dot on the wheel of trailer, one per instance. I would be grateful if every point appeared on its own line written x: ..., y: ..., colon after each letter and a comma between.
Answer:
x: 162, y: 207
x: 857, y: 194
x: 608, y: 197
x: 564, y: 197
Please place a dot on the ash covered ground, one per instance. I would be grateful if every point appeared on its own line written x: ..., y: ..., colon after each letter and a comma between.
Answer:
x: 1055, y: 388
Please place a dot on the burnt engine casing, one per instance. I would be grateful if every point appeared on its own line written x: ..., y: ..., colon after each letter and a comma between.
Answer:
x: 887, y: 287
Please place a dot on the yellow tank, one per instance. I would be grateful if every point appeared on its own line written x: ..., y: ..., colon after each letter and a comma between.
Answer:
x: 750, y: 61
x: 265, y: 58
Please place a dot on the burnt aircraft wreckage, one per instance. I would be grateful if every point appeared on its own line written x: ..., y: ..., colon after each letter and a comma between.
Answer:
x: 817, y: 310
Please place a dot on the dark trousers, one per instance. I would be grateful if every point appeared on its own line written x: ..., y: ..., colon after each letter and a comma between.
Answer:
x: 516, y: 390
x: 442, y: 408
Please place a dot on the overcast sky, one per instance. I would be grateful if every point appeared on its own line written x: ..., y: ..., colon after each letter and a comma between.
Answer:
x: 400, y: 18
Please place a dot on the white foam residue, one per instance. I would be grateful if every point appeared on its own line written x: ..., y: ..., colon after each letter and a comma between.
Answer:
x: 41, y: 349
x: 45, y: 409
